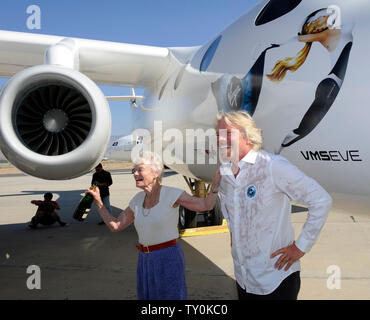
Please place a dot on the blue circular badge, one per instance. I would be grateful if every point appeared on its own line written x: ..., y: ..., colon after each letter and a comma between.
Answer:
x: 251, y: 192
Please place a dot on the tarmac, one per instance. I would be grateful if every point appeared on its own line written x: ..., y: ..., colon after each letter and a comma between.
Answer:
x: 86, y: 261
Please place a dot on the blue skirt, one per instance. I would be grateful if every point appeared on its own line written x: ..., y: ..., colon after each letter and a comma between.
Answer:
x: 161, y: 274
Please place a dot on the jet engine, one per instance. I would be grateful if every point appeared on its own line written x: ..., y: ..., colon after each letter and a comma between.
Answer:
x: 55, y: 122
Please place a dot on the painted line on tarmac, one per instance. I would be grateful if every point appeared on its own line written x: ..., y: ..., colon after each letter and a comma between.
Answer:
x: 204, y: 230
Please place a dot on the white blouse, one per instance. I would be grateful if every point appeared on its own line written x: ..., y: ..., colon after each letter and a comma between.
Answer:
x: 157, y: 224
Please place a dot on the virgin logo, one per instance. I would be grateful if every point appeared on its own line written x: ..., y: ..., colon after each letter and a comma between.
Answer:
x: 233, y: 95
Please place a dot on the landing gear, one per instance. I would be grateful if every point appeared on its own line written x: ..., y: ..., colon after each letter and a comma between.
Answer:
x: 214, y: 217
x: 188, y: 218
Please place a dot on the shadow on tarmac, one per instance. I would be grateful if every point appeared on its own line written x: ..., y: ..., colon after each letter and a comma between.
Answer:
x: 86, y: 261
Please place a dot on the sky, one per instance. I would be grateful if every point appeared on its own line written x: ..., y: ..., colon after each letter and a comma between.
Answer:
x: 163, y: 23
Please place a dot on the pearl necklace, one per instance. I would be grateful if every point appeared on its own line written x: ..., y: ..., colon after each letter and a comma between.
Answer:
x: 148, y: 210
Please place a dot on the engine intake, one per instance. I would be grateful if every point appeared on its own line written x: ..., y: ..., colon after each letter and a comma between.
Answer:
x: 53, y: 119
x: 54, y: 122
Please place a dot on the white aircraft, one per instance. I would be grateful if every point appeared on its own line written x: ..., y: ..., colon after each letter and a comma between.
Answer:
x: 121, y: 148
x: 300, y: 67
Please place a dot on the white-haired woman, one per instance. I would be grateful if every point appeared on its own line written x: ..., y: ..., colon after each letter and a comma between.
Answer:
x: 161, y: 265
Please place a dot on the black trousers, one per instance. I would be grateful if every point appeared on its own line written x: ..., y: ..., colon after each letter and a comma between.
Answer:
x: 287, y: 290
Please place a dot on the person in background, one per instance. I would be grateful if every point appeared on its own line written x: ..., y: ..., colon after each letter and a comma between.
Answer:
x: 45, y: 213
x: 104, y: 181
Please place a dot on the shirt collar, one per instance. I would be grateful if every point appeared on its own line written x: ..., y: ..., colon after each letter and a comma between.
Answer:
x: 250, y: 157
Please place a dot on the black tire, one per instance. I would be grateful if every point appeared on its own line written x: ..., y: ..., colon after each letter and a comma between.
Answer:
x: 216, y: 216
x: 187, y: 218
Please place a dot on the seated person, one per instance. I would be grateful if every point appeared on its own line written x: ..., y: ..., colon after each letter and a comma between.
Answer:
x: 45, y: 213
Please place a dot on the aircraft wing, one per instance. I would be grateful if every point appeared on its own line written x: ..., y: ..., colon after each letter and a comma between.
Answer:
x: 104, y: 62
x: 54, y: 120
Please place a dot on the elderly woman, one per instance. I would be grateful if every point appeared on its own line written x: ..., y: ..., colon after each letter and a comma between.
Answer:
x: 161, y: 265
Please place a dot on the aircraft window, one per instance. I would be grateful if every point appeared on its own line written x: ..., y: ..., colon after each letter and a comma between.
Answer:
x: 275, y: 9
x: 208, y: 56
x: 115, y: 144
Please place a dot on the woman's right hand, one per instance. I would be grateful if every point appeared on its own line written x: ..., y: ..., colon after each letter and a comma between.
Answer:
x: 95, y: 192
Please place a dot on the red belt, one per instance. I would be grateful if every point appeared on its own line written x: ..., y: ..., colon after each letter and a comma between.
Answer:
x: 159, y: 246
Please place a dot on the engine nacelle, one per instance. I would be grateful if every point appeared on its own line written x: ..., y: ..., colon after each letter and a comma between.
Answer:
x: 55, y: 122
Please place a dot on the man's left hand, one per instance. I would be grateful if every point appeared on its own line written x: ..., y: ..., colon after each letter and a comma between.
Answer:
x: 289, y: 255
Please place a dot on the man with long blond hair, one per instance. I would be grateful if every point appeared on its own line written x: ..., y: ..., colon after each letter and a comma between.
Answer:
x: 256, y: 188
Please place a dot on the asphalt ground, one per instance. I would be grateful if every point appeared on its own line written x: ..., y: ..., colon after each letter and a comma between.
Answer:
x: 86, y: 261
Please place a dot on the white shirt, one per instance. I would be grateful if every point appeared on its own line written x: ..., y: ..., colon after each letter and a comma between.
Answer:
x: 256, y: 205
x: 158, y: 224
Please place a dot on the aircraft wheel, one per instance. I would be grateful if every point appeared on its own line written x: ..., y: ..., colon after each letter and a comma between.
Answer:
x: 187, y: 218
x: 214, y: 217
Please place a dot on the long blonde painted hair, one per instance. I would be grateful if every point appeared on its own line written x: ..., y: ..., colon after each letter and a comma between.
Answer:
x: 245, y: 123
x: 313, y: 24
